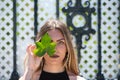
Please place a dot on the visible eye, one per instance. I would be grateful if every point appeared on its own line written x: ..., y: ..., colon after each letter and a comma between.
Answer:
x: 60, y: 43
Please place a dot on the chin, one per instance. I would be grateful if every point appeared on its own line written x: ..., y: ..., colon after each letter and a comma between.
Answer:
x: 55, y: 61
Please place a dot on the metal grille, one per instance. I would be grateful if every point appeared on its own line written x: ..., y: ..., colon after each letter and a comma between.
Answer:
x: 110, y: 29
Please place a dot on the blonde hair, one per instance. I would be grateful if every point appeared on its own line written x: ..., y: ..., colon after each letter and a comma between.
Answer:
x: 70, y: 61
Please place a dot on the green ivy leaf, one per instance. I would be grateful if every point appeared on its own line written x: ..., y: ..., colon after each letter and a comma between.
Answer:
x: 45, y: 46
x: 51, y: 49
x: 46, y: 40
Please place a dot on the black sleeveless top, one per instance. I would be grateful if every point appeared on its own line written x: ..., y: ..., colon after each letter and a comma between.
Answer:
x: 54, y: 76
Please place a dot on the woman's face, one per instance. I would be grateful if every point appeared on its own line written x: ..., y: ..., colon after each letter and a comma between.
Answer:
x: 61, y: 49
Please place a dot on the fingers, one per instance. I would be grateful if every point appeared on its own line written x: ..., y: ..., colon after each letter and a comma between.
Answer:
x: 30, y: 49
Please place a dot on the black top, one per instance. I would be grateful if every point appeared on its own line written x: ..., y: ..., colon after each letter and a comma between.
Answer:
x: 54, y: 76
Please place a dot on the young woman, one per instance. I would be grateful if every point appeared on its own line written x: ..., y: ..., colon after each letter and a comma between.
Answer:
x: 62, y: 65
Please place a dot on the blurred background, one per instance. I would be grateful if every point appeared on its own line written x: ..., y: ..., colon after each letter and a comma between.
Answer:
x: 94, y: 24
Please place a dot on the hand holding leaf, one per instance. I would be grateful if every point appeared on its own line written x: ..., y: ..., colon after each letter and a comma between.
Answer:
x: 45, y: 46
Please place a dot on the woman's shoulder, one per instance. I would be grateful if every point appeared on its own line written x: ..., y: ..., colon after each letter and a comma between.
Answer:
x: 80, y: 78
x: 72, y: 76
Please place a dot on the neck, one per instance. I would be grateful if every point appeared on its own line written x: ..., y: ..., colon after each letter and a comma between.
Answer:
x: 53, y: 68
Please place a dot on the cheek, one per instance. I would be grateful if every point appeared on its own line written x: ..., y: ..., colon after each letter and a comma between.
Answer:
x: 61, y: 49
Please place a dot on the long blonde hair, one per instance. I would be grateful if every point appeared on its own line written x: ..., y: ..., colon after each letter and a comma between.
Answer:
x: 70, y: 61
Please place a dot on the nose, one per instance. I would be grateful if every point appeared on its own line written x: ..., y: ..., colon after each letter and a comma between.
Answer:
x: 56, y: 48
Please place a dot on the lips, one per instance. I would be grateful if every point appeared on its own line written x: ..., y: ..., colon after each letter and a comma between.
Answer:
x: 54, y: 56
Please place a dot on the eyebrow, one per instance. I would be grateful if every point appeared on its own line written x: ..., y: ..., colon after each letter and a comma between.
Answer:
x: 58, y: 39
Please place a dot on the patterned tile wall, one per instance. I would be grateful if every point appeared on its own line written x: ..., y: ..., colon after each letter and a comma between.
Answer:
x: 47, y: 9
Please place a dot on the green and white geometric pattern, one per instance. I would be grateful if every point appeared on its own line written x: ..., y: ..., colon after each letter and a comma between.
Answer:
x: 6, y: 41
x: 47, y: 9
